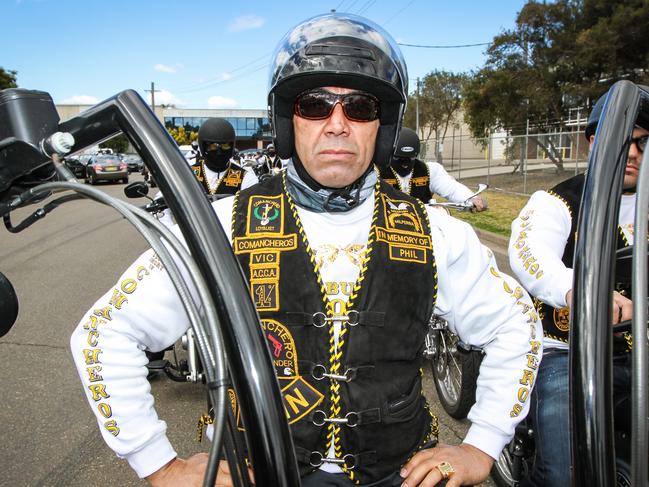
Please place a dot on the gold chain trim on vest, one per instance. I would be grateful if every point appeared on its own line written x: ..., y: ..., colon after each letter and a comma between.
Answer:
x: 333, y: 429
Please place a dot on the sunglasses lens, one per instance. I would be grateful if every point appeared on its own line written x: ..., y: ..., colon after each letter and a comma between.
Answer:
x: 213, y: 146
x: 361, y: 107
x: 358, y: 107
x: 314, y: 105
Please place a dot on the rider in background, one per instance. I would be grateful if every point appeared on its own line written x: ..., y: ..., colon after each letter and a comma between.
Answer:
x: 424, y: 179
x: 345, y: 273
x: 215, y: 168
x: 541, y: 251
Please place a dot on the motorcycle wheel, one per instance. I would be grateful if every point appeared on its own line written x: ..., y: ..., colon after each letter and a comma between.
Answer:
x: 509, y: 469
x: 455, y: 372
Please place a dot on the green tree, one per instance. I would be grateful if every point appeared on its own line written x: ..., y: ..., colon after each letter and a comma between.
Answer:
x: 560, y: 55
x: 119, y: 144
x: 439, y: 101
x: 7, y: 79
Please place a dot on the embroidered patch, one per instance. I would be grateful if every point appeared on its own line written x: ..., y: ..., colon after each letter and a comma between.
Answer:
x: 421, y: 181
x: 408, y: 254
x: 265, y: 295
x: 254, y: 244
x: 401, y: 215
x: 299, y: 396
x: 265, y: 215
x: 562, y: 318
x: 233, y: 178
x: 197, y: 173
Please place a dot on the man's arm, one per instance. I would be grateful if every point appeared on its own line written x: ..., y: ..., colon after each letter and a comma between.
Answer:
x: 445, y: 185
x: 536, y: 246
x: 490, y: 310
x: 249, y: 179
x: 141, y: 312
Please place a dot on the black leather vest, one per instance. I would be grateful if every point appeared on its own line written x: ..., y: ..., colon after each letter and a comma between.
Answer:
x: 556, y: 321
x: 419, y: 184
x: 367, y: 394
x: 230, y: 183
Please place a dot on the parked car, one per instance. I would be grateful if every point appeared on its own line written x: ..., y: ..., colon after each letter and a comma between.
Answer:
x: 106, y: 167
x: 134, y: 162
x: 75, y: 165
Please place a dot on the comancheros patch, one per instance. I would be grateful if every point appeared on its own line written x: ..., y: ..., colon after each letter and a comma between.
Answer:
x: 299, y: 396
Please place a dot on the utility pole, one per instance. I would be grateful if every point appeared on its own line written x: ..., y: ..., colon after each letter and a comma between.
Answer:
x: 152, y: 91
x: 417, y: 110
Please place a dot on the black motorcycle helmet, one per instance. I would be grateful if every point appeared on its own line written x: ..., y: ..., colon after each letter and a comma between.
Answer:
x: 216, y: 139
x: 407, y: 144
x: 596, y: 113
x: 338, y: 50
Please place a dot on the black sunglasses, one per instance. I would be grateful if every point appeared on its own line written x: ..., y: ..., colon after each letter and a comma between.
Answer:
x: 640, y: 142
x: 318, y: 105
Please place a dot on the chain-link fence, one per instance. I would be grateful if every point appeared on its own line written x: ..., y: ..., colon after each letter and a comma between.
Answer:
x: 517, y: 164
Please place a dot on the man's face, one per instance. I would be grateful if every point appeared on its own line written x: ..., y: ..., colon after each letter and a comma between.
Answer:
x: 634, y: 160
x: 335, y: 151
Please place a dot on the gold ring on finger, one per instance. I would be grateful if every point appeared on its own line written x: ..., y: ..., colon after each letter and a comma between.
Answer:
x: 446, y: 469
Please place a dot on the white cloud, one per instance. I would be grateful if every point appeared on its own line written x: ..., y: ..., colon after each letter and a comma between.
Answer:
x: 80, y: 100
x: 164, y: 97
x: 163, y: 68
x: 221, y: 102
x: 246, y: 22
x: 224, y: 76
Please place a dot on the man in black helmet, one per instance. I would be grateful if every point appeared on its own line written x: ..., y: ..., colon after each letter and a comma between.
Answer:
x: 541, y: 252
x: 215, y: 169
x: 424, y: 179
x: 345, y: 273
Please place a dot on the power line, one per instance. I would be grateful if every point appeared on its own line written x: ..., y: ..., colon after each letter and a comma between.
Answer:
x: 398, y: 13
x: 445, y: 47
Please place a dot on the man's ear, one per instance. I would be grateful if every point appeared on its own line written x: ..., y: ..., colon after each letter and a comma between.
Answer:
x: 591, y: 141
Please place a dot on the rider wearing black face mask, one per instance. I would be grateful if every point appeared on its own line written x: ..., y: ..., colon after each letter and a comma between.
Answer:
x: 423, y: 179
x: 215, y: 170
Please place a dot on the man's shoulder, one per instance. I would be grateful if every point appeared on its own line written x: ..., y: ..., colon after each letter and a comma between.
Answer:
x: 573, y: 184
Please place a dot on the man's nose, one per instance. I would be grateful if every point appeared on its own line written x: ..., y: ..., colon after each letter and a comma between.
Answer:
x: 337, y: 122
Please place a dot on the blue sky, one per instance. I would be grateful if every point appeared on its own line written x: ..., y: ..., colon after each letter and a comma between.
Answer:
x: 214, y: 54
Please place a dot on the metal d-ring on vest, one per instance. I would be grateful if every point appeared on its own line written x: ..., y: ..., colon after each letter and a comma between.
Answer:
x: 317, y: 459
x: 320, y: 319
x: 350, y: 419
x: 346, y: 377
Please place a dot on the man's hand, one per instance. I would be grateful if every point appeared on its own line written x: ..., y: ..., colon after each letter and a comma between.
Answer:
x: 622, y: 306
x: 471, y: 466
x: 479, y: 204
x: 190, y: 473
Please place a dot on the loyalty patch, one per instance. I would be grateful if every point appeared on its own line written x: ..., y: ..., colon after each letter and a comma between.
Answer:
x: 265, y: 215
x: 300, y: 398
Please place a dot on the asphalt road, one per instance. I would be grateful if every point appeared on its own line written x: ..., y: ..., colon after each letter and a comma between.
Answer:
x: 59, y: 267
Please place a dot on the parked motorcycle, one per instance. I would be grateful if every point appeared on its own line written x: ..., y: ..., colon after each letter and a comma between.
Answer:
x: 454, y: 364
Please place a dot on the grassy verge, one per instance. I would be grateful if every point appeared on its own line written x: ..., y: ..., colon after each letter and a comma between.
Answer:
x: 503, y: 208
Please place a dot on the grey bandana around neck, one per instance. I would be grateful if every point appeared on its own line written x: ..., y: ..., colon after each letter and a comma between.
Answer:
x: 327, y: 200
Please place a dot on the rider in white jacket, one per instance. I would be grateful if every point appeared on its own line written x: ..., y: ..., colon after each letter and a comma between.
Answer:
x: 328, y: 224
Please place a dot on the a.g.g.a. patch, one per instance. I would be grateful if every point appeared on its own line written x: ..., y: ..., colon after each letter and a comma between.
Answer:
x: 265, y: 215
x: 562, y: 318
x: 300, y: 398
